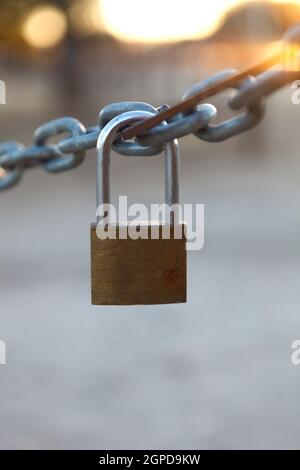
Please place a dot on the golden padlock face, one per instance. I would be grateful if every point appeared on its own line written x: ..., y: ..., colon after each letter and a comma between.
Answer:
x: 139, y: 271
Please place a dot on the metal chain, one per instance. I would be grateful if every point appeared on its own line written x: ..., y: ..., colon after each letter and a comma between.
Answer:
x: 70, y: 152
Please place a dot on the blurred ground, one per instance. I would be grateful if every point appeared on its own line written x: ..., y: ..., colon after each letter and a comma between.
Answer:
x: 214, y: 373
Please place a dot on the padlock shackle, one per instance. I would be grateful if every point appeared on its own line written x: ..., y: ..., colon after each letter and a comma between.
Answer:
x: 104, y: 147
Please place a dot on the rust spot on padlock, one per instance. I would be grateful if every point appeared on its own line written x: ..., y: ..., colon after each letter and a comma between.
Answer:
x: 171, y: 276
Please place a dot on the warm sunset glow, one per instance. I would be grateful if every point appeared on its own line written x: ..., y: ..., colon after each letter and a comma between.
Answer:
x: 291, y: 60
x: 45, y: 26
x: 163, y: 20
x: 155, y: 21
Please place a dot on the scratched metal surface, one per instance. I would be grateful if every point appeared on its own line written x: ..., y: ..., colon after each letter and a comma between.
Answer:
x: 213, y: 373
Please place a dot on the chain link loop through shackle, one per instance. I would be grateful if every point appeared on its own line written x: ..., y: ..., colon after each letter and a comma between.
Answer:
x: 153, y: 142
x: 123, y: 147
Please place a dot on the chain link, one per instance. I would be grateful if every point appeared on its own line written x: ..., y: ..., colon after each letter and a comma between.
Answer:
x: 70, y: 151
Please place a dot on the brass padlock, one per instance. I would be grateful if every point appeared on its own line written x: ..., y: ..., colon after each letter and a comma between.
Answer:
x: 141, y: 271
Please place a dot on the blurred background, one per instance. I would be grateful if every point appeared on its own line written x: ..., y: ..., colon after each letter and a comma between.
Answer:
x: 214, y: 373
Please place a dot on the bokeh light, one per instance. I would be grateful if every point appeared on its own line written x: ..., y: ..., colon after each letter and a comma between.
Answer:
x: 45, y: 26
x: 167, y: 20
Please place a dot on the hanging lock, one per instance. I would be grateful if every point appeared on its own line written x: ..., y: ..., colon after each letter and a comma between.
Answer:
x: 127, y: 271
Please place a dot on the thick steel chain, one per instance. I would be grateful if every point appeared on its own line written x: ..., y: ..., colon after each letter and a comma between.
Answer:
x: 70, y: 152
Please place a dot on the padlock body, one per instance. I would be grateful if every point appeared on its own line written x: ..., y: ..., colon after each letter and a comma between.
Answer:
x: 126, y: 271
